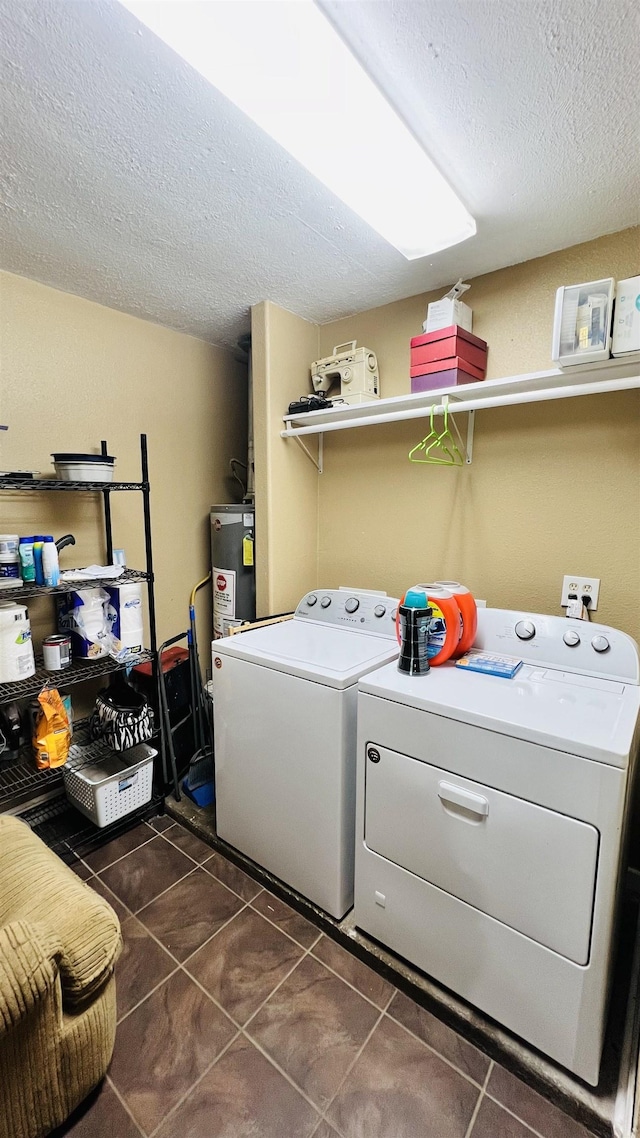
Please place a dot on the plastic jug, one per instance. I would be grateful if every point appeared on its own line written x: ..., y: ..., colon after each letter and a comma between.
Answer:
x: 414, y: 615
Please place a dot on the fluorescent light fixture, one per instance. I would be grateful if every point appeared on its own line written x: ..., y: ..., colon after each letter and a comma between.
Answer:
x: 284, y: 65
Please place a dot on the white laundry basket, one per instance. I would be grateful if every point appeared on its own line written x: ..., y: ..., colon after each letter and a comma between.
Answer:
x: 106, y: 785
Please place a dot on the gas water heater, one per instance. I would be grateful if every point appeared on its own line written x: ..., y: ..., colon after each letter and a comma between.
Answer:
x: 233, y: 574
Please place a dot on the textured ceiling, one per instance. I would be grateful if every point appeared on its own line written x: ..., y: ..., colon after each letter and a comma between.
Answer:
x: 129, y: 180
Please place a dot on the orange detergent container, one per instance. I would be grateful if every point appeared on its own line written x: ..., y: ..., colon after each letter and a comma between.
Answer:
x: 446, y: 623
x: 469, y: 613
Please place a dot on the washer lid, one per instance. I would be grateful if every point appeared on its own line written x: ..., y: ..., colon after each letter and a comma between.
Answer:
x: 333, y: 656
x: 590, y: 717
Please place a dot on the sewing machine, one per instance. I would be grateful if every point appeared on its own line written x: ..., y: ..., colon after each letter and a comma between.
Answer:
x: 354, y: 369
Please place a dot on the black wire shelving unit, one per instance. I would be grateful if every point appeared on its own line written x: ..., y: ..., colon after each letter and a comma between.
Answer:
x: 38, y: 795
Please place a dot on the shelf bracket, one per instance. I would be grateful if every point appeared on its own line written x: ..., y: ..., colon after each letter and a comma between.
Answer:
x: 317, y: 462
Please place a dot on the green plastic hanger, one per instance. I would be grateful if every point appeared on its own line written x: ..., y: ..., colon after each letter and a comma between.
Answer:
x: 434, y: 442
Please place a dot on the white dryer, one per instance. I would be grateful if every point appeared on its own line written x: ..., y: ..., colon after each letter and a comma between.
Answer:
x: 490, y: 823
x: 285, y: 738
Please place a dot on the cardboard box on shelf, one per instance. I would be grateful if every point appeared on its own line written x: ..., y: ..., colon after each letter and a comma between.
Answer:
x: 448, y: 343
x: 449, y: 310
x: 437, y: 379
x: 451, y: 364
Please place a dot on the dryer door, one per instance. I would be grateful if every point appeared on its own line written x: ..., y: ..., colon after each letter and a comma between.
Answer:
x: 525, y: 865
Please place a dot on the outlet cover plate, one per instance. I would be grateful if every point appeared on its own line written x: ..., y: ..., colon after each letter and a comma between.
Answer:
x: 574, y: 583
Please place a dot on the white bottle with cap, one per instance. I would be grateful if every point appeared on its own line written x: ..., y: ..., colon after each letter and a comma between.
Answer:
x: 50, y: 562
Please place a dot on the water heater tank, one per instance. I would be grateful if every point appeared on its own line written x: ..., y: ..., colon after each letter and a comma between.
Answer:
x: 233, y: 574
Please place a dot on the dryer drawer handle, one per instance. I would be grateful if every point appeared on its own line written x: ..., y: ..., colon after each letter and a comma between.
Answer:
x: 456, y: 795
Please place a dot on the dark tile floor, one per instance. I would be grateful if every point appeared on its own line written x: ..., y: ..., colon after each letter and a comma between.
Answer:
x: 240, y: 1019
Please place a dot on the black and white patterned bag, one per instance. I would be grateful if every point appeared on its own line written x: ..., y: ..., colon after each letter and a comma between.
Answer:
x: 122, y: 718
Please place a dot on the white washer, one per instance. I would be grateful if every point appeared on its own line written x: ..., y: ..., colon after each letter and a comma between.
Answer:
x: 285, y: 738
x: 490, y: 823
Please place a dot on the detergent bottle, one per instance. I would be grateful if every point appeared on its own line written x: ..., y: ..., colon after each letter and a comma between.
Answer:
x: 469, y: 613
x: 414, y: 616
x: 445, y: 627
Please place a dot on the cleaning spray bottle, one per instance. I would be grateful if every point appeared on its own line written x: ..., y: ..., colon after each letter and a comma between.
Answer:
x: 414, y: 615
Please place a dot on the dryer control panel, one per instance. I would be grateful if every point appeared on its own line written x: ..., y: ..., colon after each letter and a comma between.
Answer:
x: 577, y: 646
x: 362, y: 611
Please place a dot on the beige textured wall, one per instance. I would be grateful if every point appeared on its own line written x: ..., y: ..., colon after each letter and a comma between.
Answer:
x: 283, y: 346
x: 553, y: 487
x: 73, y: 373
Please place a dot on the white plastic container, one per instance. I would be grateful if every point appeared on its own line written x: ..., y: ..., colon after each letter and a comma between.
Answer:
x: 16, y: 649
x: 84, y: 471
x: 50, y: 562
x: 9, y: 543
x: 105, y: 785
x: 626, y: 319
x: 582, y: 323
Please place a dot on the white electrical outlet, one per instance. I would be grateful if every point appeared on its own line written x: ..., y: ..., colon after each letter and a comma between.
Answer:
x: 582, y: 587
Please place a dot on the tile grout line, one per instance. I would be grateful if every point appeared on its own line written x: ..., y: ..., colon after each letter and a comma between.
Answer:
x: 306, y: 952
x: 181, y: 963
x: 261, y: 888
x: 476, y: 1109
x: 193, y: 1086
x: 530, y: 1129
x: 134, y: 912
x: 435, y: 1051
x: 95, y: 872
x: 240, y: 1031
x: 352, y: 1065
x: 229, y: 1015
x: 285, y: 1075
x: 146, y: 996
x: 123, y: 1104
x: 284, y: 931
x: 348, y: 982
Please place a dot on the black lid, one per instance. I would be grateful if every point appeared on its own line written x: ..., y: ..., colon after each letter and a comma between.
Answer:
x: 83, y: 458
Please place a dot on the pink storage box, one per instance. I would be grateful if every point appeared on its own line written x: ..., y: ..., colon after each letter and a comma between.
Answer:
x: 448, y: 348
x: 447, y: 365
x: 445, y: 333
x: 438, y: 379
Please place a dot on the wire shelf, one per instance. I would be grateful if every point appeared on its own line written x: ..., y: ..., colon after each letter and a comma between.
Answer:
x: 31, y: 590
x: 21, y: 780
x: 79, y: 671
x: 72, y: 836
x: 39, y: 484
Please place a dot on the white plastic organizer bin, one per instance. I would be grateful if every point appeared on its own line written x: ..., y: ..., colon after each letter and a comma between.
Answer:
x: 105, y: 785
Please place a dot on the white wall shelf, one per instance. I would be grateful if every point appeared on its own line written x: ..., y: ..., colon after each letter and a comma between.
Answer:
x: 534, y: 387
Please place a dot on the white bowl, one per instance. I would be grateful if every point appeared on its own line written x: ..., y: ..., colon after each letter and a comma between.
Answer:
x: 84, y: 471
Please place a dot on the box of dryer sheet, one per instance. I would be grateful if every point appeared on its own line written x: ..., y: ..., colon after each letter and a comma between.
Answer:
x: 626, y: 318
x: 450, y: 310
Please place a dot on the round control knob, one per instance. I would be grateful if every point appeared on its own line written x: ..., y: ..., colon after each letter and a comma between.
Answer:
x: 379, y: 610
x: 571, y: 638
x: 600, y: 644
x: 311, y: 599
x: 325, y: 602
x: 352, y: 604
x: 525, y: 629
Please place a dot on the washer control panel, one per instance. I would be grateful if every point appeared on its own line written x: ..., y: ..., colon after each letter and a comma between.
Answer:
x: 555, y: 642
x: 373, y: 613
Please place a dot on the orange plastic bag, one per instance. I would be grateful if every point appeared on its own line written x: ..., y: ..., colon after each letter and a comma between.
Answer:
x: 52, y: 735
